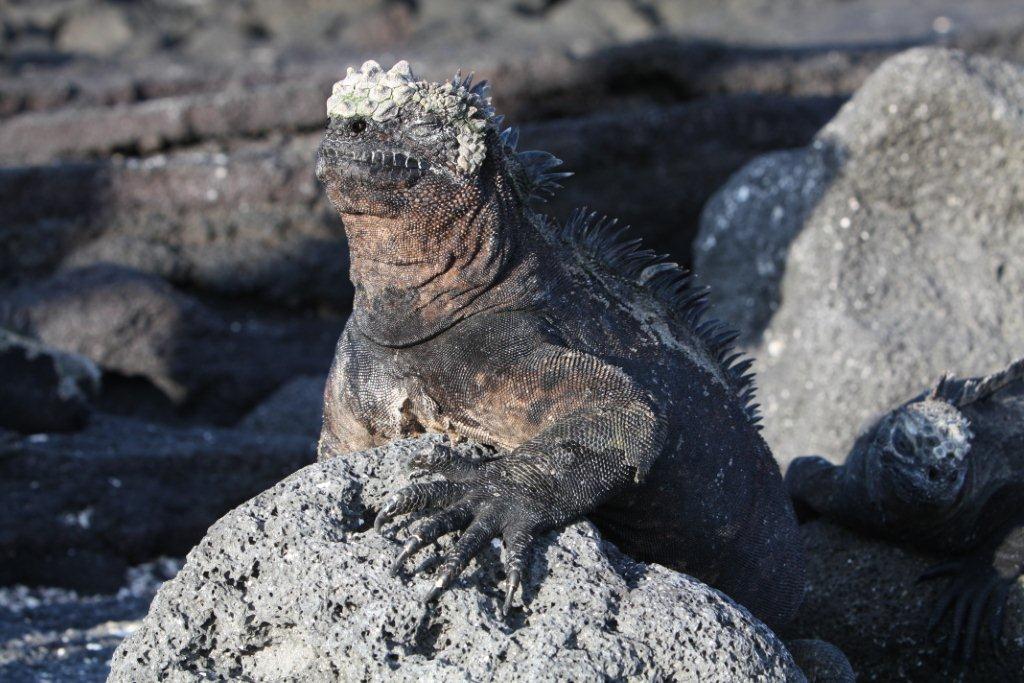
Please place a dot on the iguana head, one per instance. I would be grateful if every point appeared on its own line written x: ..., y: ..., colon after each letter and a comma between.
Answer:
x: 392, y: 138
x: 920, y: 453
x: 424, y: 178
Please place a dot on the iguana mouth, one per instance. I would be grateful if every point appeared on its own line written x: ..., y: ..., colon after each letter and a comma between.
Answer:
x: 380, y: 158
x: 362, y: 161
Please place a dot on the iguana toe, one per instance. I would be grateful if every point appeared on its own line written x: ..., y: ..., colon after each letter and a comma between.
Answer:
x: 416, y: 497
x: 511, y: 587
x: 445, y: 461
x: 430, y: 529
x: 976, y: 588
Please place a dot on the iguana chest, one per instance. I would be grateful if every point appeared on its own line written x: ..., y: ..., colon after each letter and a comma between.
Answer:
x: 464, y: 407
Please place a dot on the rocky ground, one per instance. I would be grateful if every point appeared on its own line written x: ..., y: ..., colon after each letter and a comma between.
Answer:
x: 55, y: 634
x: 172, y: 282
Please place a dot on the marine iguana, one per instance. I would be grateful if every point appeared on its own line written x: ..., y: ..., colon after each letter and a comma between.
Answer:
x: 585, y: 359
x: 943, y: 472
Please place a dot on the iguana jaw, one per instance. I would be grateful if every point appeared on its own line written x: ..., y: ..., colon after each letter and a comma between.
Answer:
x: 368, y: 178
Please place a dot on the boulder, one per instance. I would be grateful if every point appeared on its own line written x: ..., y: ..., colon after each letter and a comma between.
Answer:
x: 98, y: 31
x: 862, y: 267
x: 80, y: 508
x: 295, y: 408
x: 252, y: 224
x: 864, y: 597
x: 137, y: 325
x: 43, y: 390
x: 294, y: 584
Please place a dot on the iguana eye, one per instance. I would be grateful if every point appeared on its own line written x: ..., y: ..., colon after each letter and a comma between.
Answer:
x: 902, y: 443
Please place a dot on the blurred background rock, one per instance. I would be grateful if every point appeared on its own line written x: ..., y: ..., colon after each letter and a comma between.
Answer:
x: 160, y: 225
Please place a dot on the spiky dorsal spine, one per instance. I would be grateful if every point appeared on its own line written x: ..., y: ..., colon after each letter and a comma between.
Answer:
x: 531, y: 169
x: 602, y: 239
x: 960, y: 393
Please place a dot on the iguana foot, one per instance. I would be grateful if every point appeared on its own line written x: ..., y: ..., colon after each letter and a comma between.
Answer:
x: 977, y: 591
x: 472, y: 497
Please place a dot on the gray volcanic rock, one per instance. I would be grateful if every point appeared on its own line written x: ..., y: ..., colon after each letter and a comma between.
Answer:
x: 296, y: 407
x: 863, y: 596
x: 80, y: 508
x: 294, y: 584
x: 138, y: 325
x: 96, y: 31
x: 42, y: 389
x: 861, y: 268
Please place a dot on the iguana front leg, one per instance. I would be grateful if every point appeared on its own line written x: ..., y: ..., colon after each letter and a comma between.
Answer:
x: 818, y: 487
x: 603, y: 434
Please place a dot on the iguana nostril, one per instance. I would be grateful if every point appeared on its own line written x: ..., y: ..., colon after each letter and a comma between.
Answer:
x: 357, y: 126
x: 933, y: 473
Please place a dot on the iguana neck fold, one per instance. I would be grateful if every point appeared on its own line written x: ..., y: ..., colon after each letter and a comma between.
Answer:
x: 419, y: 273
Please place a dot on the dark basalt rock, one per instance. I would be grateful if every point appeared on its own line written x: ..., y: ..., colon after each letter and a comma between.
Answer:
x: 294, y: 408
x: 80, y: 508
x: 42, y: 389
x: 864, y: 597
x: 136, y: 325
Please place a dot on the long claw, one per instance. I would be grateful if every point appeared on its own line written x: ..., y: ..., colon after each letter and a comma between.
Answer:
x: 974, y: 620
x: 384, y: 516
x: 429, y: 530
x: 434, y: 591
x: 444, y: 580
x: 938, y: 570
x: 517, y: 553
x: 474, y: 538
x: 510, y: 591
x: 410, y: 547
x: 417, y: 497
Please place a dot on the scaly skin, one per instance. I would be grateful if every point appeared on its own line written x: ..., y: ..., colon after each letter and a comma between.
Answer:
x: 943, y: 472
x: 580, y: 358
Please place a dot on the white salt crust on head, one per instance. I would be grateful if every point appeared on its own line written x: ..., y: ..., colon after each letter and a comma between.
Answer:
x: 379, y: 95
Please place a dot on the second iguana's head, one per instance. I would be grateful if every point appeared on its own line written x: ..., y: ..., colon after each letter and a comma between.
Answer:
x: 918, y: 453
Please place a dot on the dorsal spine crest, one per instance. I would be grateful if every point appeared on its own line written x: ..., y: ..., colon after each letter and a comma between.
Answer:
x: 600, y: 239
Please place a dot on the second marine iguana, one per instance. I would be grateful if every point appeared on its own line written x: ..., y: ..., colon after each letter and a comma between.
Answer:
x: 943, y: 472
x: 583, y: 358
